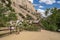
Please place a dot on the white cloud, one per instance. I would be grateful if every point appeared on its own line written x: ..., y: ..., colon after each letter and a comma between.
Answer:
x: 35, y: 4
x: 47, y: 1
x: 58, y: 1
x: 31, y: 1
x: 42, y: 12
x: 41, y: 6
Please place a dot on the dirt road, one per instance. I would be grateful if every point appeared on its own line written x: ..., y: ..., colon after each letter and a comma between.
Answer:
x: 29, y: 35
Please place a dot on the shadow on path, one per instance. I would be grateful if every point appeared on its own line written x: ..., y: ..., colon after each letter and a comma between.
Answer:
x: 6, y: 34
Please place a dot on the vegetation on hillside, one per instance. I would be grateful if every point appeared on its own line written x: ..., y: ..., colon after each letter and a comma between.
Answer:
x: 30, y: 27
x: 6, y: 13
x: 52, y: 22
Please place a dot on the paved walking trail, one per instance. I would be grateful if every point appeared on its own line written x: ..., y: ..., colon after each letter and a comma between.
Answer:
x: 31, y: 35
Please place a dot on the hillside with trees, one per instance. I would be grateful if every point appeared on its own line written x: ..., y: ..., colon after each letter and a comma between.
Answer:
x: 7, y: 13
x: 52, y: 22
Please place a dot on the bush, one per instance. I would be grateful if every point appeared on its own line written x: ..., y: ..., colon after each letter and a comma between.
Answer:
x: 49, y: 26
x: 29, y: 27
x: 52, y: 27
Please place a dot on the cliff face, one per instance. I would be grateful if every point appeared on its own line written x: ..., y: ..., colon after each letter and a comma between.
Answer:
x: 23, y: 7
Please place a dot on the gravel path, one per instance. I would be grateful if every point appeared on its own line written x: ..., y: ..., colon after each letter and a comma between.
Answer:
x: 30, y: 35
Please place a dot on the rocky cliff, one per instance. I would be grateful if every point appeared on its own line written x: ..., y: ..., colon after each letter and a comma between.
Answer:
x: 21, y: 7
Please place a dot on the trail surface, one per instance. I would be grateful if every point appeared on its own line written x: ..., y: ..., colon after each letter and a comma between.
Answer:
x: 31, y: 35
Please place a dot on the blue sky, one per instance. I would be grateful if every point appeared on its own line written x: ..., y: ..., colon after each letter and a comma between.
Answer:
x: 42, y: 5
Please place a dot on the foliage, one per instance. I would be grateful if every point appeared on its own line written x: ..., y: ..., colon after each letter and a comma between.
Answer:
x: 4, y: 1
x: 49, y: 26
x: 6, y: 17
x: 52, y: 22
x: 29, y: 27
x: 21, y: 15
x: 29, y: 17
x: 12, y: 16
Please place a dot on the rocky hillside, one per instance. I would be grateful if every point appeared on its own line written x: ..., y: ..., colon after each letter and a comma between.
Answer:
x: 19, y: 10
x: 21, y: 7
x: 24, y: 7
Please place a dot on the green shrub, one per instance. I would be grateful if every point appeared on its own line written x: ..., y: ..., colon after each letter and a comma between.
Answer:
x: 49, y: 26
x: 52, y: 27
x: 29, y: 27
